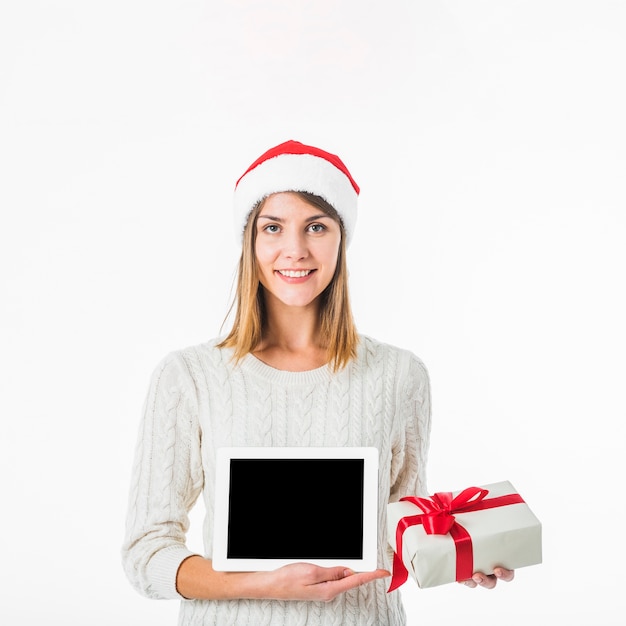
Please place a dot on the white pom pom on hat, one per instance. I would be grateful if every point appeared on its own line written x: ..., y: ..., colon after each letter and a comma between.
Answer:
x: 293, y: 166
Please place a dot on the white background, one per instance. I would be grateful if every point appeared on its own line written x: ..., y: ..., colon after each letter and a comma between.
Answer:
x: 488, y: 139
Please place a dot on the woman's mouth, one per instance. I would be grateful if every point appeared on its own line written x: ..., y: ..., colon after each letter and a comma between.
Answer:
x: 294, y: 273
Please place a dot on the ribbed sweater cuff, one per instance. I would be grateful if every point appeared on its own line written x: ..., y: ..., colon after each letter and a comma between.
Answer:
x: 163, y: 568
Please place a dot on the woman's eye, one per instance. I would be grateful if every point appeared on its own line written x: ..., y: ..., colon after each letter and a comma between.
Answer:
x: 271, y: 228
x: 317, y: 228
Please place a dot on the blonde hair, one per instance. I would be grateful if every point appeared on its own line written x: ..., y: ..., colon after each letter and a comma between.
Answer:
x: 336, y: 321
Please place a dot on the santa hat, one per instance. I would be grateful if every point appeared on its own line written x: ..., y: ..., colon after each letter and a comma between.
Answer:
x: 292, y: 166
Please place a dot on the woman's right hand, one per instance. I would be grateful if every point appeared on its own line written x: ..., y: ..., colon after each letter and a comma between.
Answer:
x: 297, y: 581
x: 303, y: 581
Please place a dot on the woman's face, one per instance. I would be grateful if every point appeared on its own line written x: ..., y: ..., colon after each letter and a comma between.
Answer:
x: 296, y: 247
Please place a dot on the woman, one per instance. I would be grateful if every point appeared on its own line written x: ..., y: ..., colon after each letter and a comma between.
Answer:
x: 293, y: 371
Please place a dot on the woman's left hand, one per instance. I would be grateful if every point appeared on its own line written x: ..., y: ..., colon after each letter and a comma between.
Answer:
x: 489, y: 581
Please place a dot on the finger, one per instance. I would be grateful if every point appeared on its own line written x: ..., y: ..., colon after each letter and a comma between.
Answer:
x: 353, y: 579
x: 367, y: 577
x: 338, y: 574
x: 330, y: 574
x: 488, y: 582
x: 330, y: 589
x: 507, y: 575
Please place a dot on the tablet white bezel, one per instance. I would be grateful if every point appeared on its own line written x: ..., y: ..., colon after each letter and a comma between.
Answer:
x: 221, y: 561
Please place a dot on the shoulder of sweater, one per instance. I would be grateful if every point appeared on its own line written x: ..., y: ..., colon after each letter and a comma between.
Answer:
x: 181, y: 362
x: 376, y: 346
x: 192, y: 351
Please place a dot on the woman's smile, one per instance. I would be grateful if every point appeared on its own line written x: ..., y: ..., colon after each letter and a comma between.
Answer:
x: 292, y: 276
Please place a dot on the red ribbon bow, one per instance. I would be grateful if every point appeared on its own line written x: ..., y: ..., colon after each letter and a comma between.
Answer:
x: 437, y: 519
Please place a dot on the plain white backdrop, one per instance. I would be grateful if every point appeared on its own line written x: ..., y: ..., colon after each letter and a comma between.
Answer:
x: 488, y: 139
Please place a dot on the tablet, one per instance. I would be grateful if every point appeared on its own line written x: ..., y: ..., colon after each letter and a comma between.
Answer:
x: 275, y: 506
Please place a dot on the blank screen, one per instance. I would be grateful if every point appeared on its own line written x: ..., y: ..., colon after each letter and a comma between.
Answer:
x: 295, y: 509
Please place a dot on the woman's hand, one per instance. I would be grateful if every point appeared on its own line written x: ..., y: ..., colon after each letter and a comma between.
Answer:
x: 303, y: 581
x: 196, y: 578
x: 489, y: 581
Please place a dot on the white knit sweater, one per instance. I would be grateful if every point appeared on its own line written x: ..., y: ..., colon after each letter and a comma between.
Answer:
x: 199, y: 400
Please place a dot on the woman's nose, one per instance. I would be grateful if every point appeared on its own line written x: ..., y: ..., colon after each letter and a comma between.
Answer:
x: 295, y: 245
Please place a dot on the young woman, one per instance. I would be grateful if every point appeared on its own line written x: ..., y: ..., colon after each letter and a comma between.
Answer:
x: 293, y: 371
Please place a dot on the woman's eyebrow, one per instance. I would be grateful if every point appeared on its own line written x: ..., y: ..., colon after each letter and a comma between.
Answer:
x: 312, y: 218
x: 270, y: 217
x: 321, y: 216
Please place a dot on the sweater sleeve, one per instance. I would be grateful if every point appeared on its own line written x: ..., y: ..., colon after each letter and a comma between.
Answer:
x: 412, y: 438
x: 167, y: 479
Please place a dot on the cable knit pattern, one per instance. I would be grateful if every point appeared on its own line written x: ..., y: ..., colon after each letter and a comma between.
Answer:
x: 198, y: 400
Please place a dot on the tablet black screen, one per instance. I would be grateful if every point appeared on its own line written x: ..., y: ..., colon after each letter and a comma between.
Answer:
x: 296, y: 509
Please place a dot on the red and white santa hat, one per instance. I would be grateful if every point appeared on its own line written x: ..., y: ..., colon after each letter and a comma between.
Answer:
x: 293, y: 166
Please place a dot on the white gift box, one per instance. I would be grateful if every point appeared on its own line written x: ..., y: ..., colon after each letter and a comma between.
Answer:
x: 507, y: 536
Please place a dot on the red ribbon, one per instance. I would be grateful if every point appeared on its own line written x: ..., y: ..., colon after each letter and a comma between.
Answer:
x: 438, y: 519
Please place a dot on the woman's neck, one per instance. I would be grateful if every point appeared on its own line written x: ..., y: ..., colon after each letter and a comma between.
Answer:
x: 292, y: 339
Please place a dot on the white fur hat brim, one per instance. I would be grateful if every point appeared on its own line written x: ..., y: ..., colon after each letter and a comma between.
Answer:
x: 296, y: 172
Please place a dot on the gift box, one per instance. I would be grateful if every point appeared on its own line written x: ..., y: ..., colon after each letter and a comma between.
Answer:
x: 451, y: 535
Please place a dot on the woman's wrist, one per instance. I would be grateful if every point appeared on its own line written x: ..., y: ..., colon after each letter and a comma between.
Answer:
x: 196, y: 579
